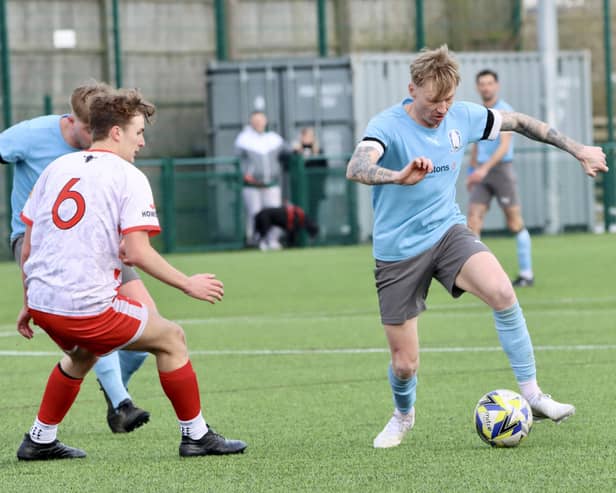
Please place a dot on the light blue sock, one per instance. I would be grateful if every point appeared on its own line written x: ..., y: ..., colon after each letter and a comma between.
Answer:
x: 109, y: 374
x: 130, y: 362
x: 524, y: 252
x: 515, y: 340
x: 403, y: 391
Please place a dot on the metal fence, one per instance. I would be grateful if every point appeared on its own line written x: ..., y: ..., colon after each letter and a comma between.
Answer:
x: 200, y: 204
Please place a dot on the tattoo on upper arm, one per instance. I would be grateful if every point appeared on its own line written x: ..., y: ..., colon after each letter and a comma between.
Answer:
x: 537, y: 130
x: 363, y: 169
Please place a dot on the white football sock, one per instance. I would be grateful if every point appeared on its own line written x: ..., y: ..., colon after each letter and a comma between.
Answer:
x: 194, y: 428
x: 43, y: 433
x: 529, y: 390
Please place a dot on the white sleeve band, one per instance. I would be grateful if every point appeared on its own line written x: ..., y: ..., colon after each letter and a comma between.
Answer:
x: 496, y: 126
x: 373, y: 144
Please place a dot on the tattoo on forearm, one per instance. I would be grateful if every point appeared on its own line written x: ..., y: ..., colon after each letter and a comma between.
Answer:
x: 540, y: 131
x: 361, y: 169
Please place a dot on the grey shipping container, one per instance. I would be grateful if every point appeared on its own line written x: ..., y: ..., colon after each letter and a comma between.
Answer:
x: 293, y: 93
x: 381, y: 80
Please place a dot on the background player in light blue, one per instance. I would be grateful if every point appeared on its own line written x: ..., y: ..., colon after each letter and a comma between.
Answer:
x: 411, y: 153
x: 31, y: 145
x: 492, y: 175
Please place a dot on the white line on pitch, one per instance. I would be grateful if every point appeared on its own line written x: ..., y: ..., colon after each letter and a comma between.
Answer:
x: 438, y: 310
x: 283, y: 352
x: 260, y: 319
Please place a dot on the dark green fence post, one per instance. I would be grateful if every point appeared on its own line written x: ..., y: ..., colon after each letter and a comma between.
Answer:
x: 117, y: 46
x: 420, y: 33
x: 168, y: 193
x: 47, y: 105
x: 322, y: 27
x: 516, y: 21
x: 6, y: 102
x: 609, y: 177
x: 240, y: 229
x: 351, y: 188
x: 609, y: 202
x: 299, y: 195
x: 221, y: 30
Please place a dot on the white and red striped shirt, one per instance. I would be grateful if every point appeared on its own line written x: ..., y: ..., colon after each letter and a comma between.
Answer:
x: 79, y: 208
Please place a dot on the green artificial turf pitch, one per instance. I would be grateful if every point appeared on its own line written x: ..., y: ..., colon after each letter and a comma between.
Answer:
x: 294, y: 360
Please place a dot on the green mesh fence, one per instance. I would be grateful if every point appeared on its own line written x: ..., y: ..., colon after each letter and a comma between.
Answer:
x: 200, y: 207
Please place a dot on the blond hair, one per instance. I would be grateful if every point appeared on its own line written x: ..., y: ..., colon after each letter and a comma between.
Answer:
x: 82, y: 95
x: 438, y: 67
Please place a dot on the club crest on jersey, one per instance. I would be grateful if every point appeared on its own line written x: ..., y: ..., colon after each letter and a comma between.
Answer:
x: 455, y: 139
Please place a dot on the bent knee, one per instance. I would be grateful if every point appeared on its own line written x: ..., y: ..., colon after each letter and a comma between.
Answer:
x: 404, y: 367
x: 502, y: 296
x: 515, y: 225
x: 176, y: 334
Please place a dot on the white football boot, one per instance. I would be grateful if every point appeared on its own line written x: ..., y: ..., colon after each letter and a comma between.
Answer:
x: 544, y: 407
x: 395, y: 429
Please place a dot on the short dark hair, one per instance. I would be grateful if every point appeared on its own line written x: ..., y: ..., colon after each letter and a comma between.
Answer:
x: 486, y: 71
x: 117, y: 108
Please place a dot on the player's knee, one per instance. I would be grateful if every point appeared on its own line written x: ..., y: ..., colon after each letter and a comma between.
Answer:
x: 475, y: 221
x: 78, y: 363
x: 515, y: 224
x: 405, y: 367
x: 502, y: 295
x: 176, y: 336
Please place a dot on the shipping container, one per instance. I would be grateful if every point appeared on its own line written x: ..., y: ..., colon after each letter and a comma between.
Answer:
x: 293, y: 93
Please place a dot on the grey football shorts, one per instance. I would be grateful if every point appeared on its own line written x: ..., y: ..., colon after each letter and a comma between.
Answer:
x: 16, y: 246
x: 403, y: 286
x: 500, y: 182
x: 128, y: 273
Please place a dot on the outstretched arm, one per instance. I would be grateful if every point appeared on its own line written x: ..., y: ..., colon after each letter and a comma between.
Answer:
x: 363, y: 168
x: 135, y: 249
x: 591, y: 158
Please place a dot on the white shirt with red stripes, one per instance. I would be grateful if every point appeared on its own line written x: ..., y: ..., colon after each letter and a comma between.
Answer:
x: 79, y: 209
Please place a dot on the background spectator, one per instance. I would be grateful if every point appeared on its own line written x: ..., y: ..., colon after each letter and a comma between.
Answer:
x: 259, y: 151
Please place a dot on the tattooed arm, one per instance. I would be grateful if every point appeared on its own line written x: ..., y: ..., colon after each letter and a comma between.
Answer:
x: 591, y: 158
x: 363, y: 168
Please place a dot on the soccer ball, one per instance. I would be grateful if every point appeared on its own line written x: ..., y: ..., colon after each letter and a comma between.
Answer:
x: 503, y: 418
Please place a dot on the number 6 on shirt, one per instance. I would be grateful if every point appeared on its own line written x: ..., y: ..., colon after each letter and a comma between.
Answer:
x: 67, y: 194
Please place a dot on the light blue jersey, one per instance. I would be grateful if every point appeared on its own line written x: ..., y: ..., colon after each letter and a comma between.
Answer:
x: 486, y: 148
x: 31, y: 145
x: 408, y: 220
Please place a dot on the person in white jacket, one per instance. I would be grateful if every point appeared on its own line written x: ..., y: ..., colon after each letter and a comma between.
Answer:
x: 259, y: 151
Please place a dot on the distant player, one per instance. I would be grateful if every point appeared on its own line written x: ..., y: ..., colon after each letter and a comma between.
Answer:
x: 89, y: 212
x: 31, y: 145
x: 412, y: 153
x: 492, y: 175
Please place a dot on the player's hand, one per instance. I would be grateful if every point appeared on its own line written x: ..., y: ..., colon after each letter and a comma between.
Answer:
x: 414, y: 172
x: 475, y: 177
x: 592, y: 159
x: 23, y: 323
x: 205, y: 287
x: 250, y: 180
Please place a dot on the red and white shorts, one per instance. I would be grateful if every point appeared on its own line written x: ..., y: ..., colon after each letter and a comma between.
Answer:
x: 118, y: 326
